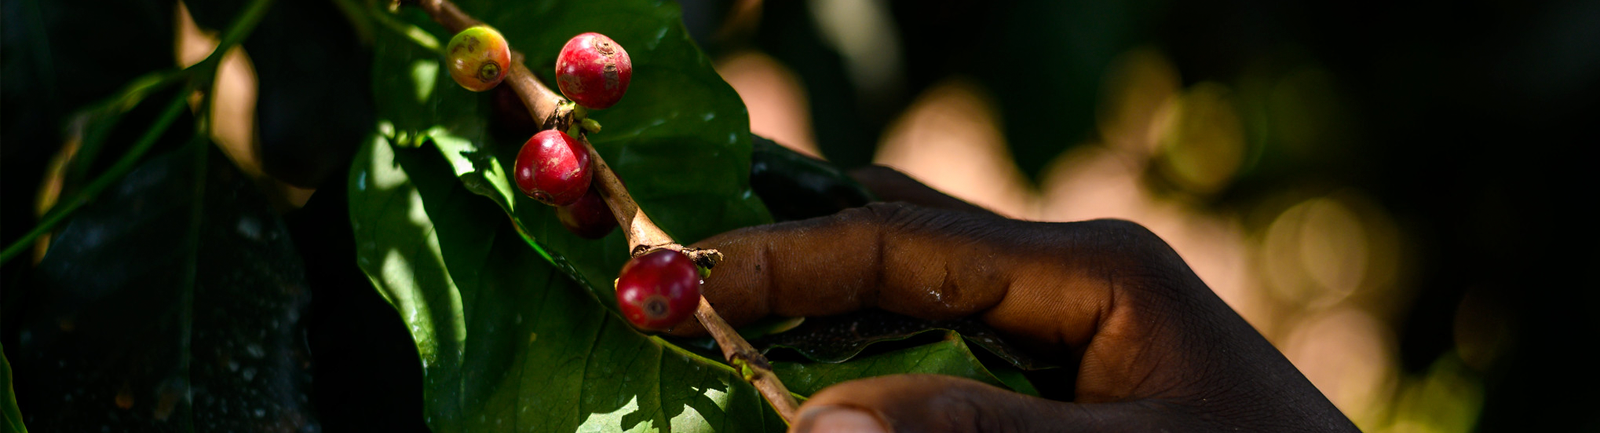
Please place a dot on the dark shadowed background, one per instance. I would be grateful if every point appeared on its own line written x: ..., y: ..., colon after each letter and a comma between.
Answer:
x: 1393, y: 193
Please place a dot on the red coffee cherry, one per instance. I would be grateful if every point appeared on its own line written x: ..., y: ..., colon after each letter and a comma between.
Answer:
x: 553, y: 168
x: 593, y: 70
x: 658, y: 290
x: 478, y: 58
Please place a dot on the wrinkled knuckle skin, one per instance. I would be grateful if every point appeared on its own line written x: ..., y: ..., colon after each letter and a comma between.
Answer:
x: 1125, y: 235
x: 1140, y: 260
x: 1132, y: 246
x: 894, y: 214
x: 899, y: 218
x: 873, y: 214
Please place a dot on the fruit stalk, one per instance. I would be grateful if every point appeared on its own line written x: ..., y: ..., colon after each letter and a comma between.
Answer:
x: 642, y: 234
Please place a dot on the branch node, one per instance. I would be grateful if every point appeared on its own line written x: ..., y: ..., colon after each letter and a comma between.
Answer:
x: 704, y: 257
x: 561, y: 119
x: 639, y: 250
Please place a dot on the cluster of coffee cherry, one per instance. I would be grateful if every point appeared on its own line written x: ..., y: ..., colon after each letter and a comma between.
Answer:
x: 655, y: 291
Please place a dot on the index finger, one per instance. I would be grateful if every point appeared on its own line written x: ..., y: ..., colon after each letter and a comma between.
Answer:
x: 1041, y: 282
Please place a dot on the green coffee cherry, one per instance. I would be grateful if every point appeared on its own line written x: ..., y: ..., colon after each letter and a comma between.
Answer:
x: 478, y: 58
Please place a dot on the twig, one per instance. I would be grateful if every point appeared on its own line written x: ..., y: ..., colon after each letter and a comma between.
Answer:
x: 556, y: 111
x: 749, y: 362
x: 448, y: 15
x: 643, y: 235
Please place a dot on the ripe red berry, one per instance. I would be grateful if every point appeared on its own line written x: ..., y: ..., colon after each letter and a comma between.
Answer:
x: 478, y: 58
x: 553, y: 168
x: 593, y: 70
x: 589, y: 217
x: 656, y: 291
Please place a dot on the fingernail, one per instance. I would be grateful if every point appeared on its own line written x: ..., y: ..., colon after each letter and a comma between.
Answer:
x: 838, y: 419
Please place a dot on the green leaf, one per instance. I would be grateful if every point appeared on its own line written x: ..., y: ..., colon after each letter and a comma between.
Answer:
x: 172, y: 302
x: 507, y: 342
x: 1014, y: 379
x: 837, y: 338
x: 8, y: 401
x: 949, y: 356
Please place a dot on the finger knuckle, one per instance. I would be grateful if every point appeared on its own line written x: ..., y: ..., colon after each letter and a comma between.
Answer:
x: 1124, y: 232
x: 1139, y: 257
x: 895, y: 214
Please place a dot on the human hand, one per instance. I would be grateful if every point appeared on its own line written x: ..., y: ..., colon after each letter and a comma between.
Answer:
x: 1153, y: 348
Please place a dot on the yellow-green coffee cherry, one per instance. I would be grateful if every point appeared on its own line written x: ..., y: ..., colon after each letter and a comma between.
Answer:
x: 478, y: 58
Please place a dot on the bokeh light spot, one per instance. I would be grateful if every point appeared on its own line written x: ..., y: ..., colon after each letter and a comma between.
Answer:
x: 774, y: 97
x: 1315, y: 253
x: 950, y: 139
x: 1138, y: 84
x: 1203, y: 146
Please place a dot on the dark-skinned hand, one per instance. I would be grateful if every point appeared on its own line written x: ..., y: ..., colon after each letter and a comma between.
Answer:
x: 1155, y: 350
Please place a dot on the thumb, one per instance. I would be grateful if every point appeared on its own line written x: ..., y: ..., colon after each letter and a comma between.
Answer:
x: 910, y: 403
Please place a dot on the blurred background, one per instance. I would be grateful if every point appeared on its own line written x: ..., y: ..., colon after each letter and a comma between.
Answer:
x: 1385, y: 190
x: 1391, y: 192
